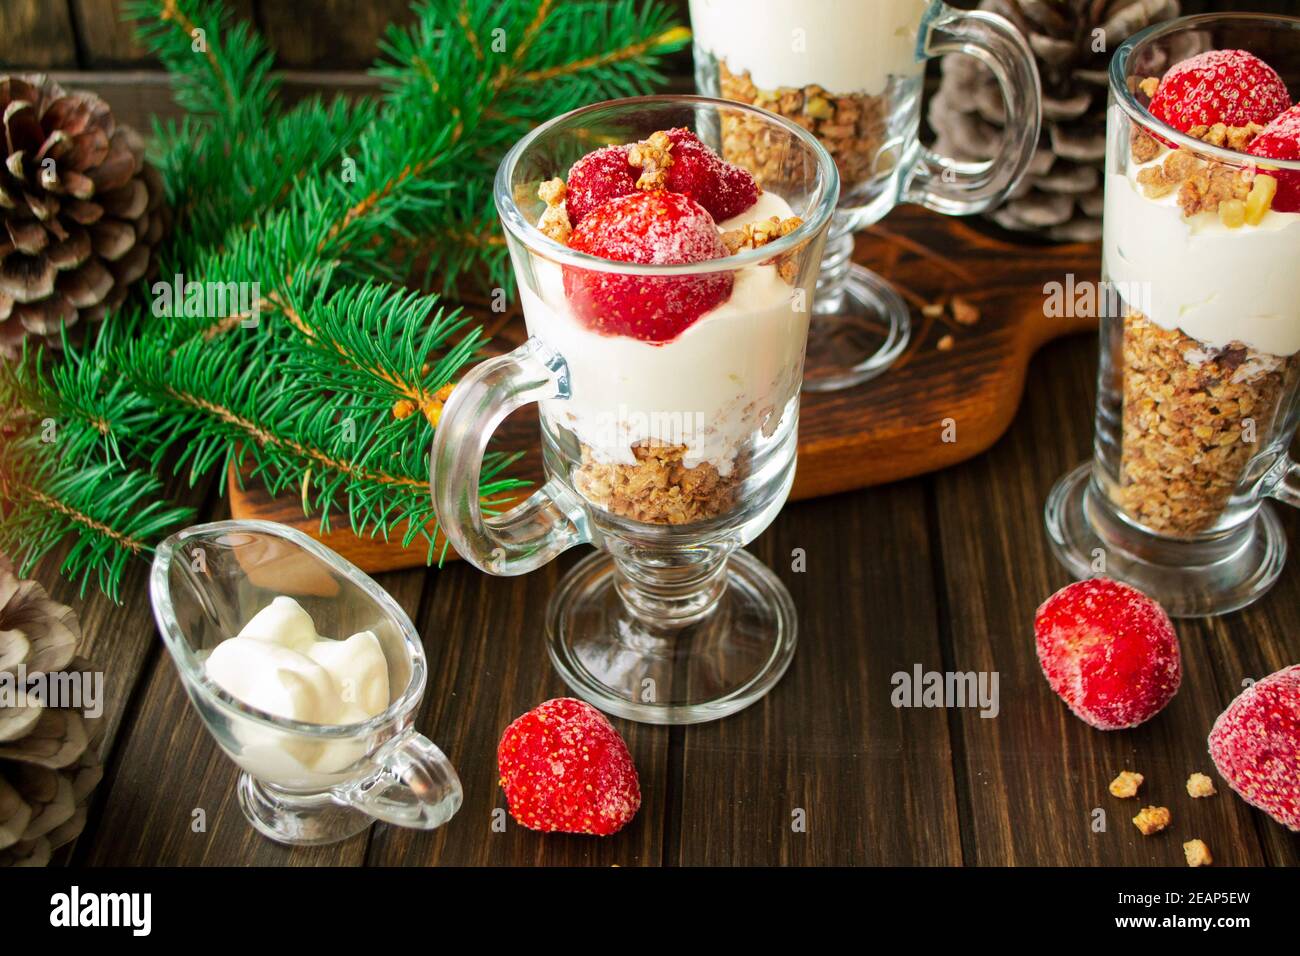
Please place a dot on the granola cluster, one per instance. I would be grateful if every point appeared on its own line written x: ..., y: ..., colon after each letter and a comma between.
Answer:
x: 658, y: 488
x: 1241, y: 196
x: 851, y: 127
x: 555, y: 219
x: 1193, y: 418
x: 755, y: 235
x: 654, y: 156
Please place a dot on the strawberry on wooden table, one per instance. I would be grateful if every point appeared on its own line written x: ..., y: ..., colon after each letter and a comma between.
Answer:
x: 1108, y: 651
x: 1255, y: 745
x: 565, y: 769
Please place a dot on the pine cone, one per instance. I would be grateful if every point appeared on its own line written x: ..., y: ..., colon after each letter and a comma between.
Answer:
x: 82, y: 211
x: 48, y: 766
x: 1061, y: 195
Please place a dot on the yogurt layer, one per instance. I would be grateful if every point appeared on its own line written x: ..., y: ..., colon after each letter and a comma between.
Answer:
x: 1215, y: 284
x: 844, y: 46
x: 725, y: 377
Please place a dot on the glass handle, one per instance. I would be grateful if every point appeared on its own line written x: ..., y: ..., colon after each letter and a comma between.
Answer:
x: 1287, y: 488
x: 416, y: 785
x: 957, y: 188
x: 530, y: 534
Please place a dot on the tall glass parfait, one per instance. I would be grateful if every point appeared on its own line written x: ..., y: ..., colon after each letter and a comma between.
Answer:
x: 1197, y: 385
x: 851, y: 73
x: 668, y: 453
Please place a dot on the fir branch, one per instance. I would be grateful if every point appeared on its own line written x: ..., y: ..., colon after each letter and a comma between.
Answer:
x: 78, y: 404
x: 381, y: 347
x: 320, y: 395
x: 110, y: 514
x: 248, y: 411
x: 236, y: 83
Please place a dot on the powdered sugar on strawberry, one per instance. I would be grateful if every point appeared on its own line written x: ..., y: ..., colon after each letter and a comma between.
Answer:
x: 564, y: 768
x: 649, y: 228
x: 1281, y: 140
x: 595, y: 179
x: 722, y: 188
x: 1109, y: 651
x: 1233, y: 87
x: 1255, y: 745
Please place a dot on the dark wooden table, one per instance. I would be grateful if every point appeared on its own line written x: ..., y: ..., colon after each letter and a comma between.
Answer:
x: 943, y: 571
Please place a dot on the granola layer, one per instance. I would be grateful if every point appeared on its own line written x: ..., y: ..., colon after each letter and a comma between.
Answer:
x: 852, y: 127
x: 658, y: 488
x: 1193, y: 418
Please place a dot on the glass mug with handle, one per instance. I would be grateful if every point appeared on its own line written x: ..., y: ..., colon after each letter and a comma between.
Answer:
x: 851, y: 73
x: 1198, y: 387
x: 302, y: 783
x: 669, y: 455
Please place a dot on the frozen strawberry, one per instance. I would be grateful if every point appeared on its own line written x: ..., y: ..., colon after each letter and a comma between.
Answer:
x: 1109, y: 652
x: 565, y: 769
x: 598, y: 177
x: 1255, y: 744
x: 1281, y: 140
x: 1232, y: 87
x: 650, y: 228
x: 723, y: 189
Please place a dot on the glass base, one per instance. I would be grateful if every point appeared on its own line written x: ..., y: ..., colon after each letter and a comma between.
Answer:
x: 857, y: 332
x: 298, y: 819
x: 710, y: 666
x: 1189, y: 578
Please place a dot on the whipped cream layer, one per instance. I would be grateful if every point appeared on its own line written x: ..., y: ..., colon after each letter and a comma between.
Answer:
x: 279, y: 664
x: 1215, y: 284
x: 844, y: 46
x: 725, y: 377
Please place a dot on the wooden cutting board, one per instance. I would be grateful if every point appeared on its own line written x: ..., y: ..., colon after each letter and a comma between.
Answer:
x: 934, y: 408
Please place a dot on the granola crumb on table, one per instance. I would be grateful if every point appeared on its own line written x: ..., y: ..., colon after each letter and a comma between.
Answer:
x: 1199, y: 785
x: 1197, y: 853
x: 1126, y: 784
x: 1151, y: 820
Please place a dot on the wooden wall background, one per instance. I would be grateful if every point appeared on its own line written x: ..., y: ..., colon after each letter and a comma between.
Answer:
x: 305, y: 34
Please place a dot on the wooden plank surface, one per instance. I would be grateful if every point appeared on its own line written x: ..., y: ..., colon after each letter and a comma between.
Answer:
x: 825, y: 770
x: 105, y: 40
x: 1036, y: 775
x: 487, y: 665
x: 36, y: 35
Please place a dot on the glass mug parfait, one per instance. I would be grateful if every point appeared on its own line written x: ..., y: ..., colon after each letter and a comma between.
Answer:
x: 668, y: 456
x: 301, y: 783
x: 1197, y: 383
x: 851, y: 73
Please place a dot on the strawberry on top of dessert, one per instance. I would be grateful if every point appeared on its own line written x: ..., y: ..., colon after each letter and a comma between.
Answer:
x: 1232, y: 87
x: 1280, y: 139
x: 655, y: 202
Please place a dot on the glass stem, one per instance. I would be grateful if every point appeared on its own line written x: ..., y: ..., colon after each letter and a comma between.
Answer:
x: 836, y: 262
x: 675, y: 591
